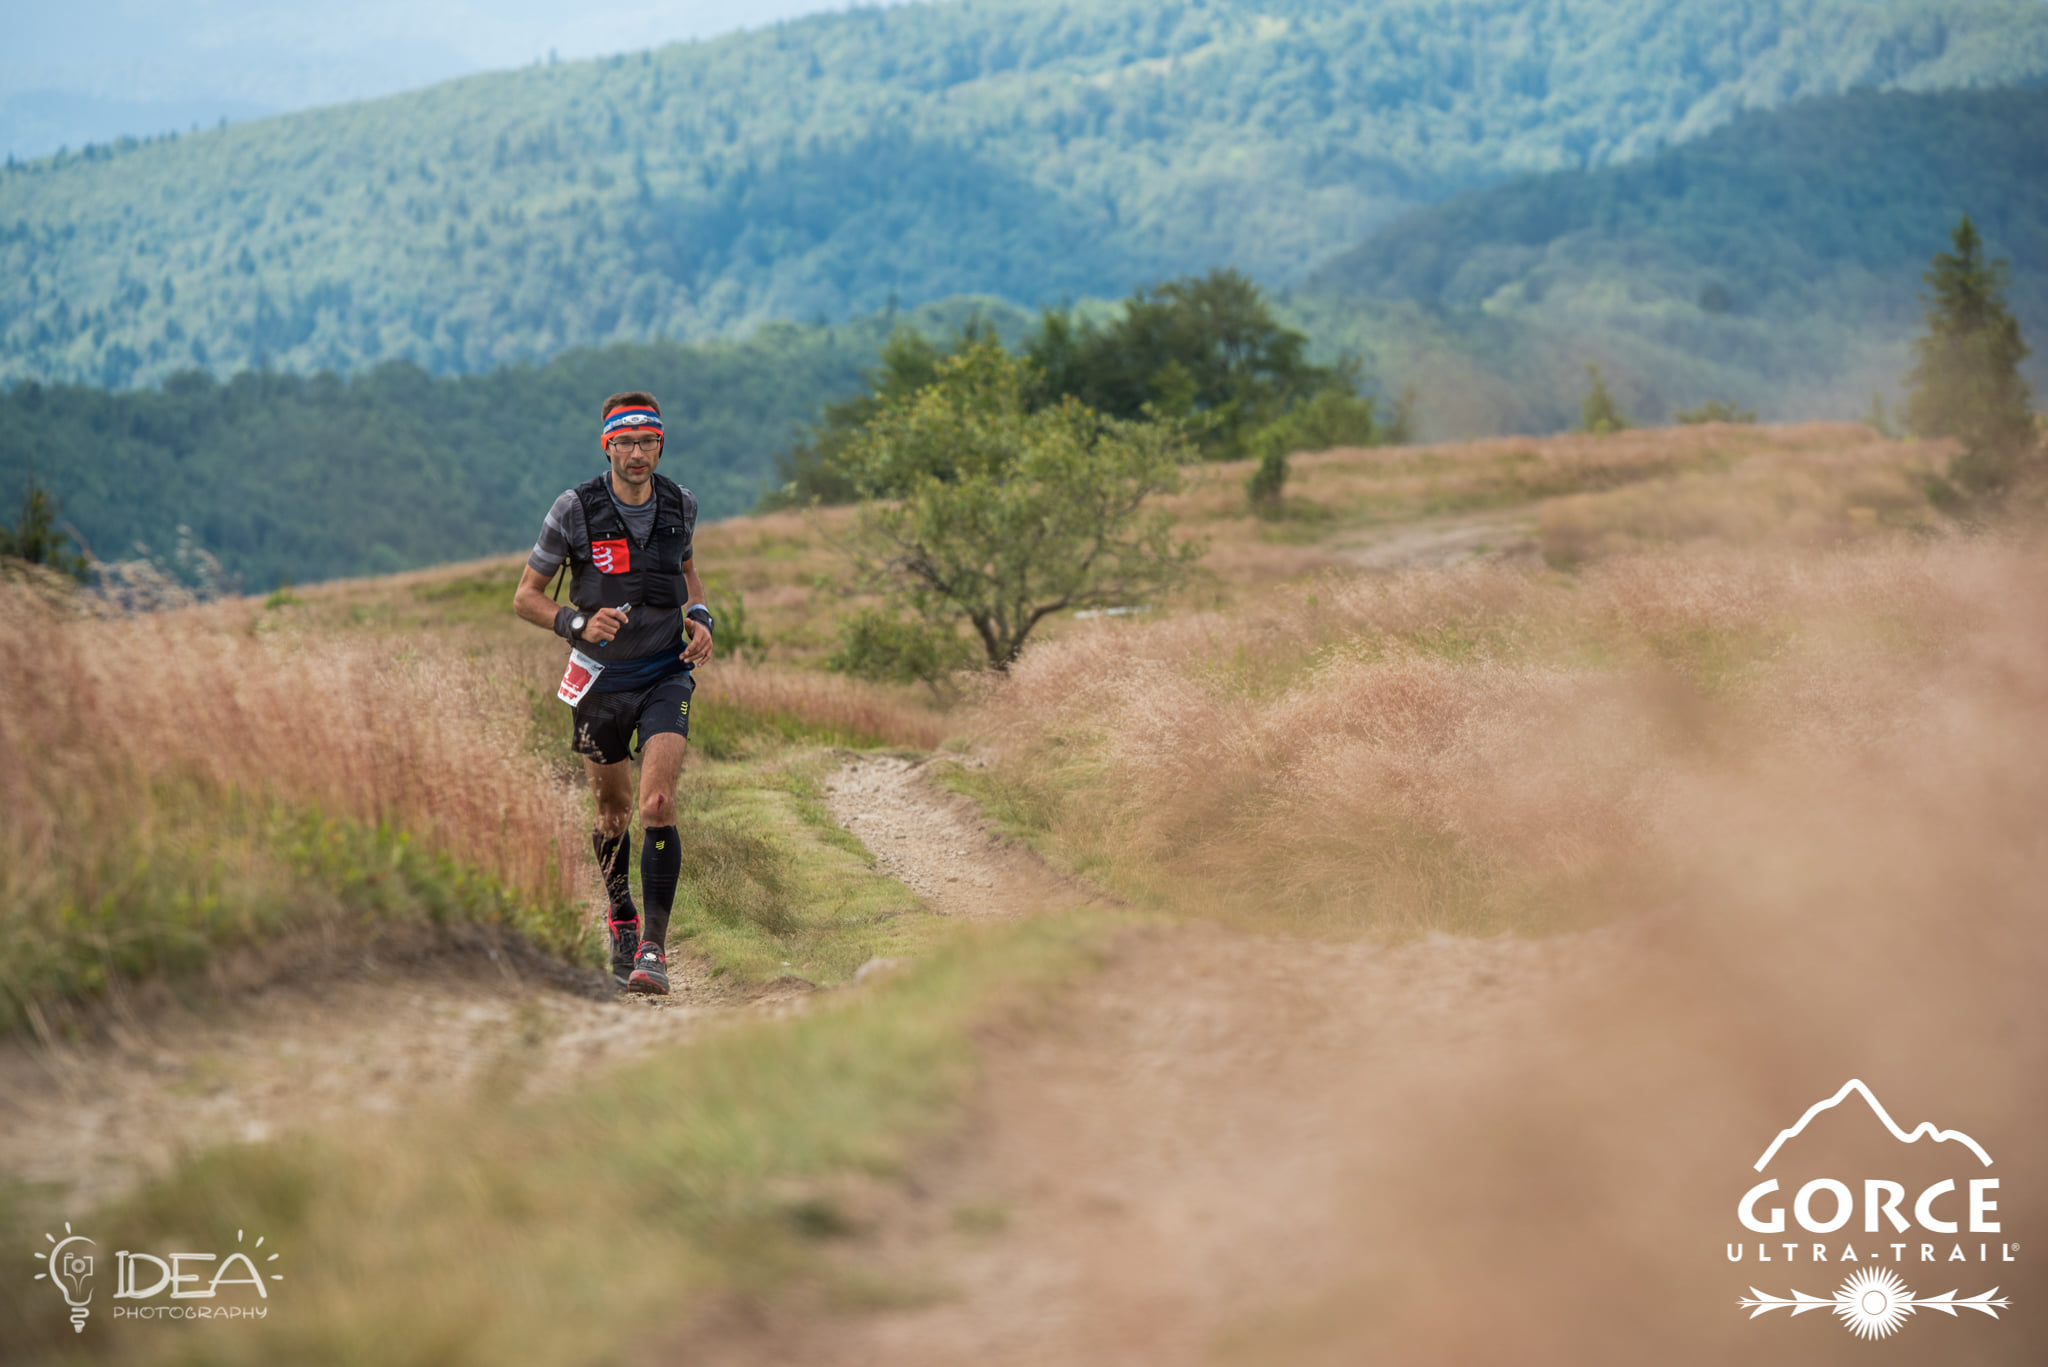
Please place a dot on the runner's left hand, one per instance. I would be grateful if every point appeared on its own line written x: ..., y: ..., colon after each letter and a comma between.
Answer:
x: 698, y: 651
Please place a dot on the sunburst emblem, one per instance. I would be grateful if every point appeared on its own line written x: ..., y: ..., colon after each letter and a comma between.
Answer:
x: 1873, y: 1303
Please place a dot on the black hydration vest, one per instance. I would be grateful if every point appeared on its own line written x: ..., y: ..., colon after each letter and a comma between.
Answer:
x: 652, y: 575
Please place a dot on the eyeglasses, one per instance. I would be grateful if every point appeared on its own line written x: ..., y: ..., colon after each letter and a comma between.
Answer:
x: 626, y: 446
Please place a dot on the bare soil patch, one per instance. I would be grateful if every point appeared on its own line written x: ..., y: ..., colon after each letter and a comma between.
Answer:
x: 936, y: 843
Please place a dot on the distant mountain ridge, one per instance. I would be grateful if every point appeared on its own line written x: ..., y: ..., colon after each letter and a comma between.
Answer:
x: 1775, y: 262
x: 1023, y: 148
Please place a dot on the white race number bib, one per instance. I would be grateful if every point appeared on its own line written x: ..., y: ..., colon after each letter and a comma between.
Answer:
x: 577, y: 679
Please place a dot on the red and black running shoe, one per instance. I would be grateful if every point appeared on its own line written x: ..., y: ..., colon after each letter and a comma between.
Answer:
x: 650, y: 971
x: 625, y: 940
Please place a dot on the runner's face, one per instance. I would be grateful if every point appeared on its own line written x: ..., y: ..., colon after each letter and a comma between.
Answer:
x: 631, y: 461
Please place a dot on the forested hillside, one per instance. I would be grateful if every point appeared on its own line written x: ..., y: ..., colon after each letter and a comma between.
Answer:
x: 290, y: 477
x: 1025, y: 148
x: 1775, y: 262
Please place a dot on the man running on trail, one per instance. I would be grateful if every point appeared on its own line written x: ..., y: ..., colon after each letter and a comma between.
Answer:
x: 633, y: 594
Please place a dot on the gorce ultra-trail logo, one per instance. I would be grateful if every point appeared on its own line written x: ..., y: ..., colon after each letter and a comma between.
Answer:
x: 1929, y: 1205
x: 162, y: 1284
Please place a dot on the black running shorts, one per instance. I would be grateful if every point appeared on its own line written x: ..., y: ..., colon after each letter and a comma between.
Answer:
x: 605, y: 722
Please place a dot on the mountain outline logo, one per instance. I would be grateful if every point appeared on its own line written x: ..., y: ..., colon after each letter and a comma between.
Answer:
x: 1921, y: 1131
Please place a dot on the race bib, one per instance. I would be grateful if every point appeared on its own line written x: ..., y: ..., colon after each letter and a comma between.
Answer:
x: 578, y: 677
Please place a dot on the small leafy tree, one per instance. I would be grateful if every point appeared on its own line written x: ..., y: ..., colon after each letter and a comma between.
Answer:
x: 36, y: 538
x: 1598, y: 412
x: 989, y: 510
x: 1965, y: 382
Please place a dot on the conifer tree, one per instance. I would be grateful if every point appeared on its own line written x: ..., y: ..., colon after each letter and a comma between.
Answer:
x: 36, y: 537
x: 1598, y: 411
x: 1965, y: 382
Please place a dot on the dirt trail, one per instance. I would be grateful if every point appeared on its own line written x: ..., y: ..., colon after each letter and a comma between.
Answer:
x: 1507, y: 538
x: 1172, y: 1159
x: 937, y: 844
x: 382, y: 1029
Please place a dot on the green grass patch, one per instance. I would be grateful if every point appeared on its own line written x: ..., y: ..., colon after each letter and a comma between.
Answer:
x: 580, y: 1228
x: 482, y: 597
x: 771, y: 885
x: 732, y: 731
x: 1717, y: 660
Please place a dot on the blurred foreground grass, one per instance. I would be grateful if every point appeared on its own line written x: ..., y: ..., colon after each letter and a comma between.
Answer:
x: 564, y: 1230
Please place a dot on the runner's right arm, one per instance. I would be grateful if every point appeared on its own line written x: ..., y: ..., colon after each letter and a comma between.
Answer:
x: 530, y: 600
x: 559, y: 534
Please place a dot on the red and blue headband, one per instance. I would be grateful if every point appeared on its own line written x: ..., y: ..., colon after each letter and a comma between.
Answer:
x: 631, y: 420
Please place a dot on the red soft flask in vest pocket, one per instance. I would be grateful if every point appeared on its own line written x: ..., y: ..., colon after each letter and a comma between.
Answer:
x: 611, y: 557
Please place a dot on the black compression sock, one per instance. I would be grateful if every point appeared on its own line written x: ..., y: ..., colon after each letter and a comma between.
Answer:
x: 661, y: 863
x: 614, y: 860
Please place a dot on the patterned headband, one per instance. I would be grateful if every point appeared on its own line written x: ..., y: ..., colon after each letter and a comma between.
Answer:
x: 636, y: 419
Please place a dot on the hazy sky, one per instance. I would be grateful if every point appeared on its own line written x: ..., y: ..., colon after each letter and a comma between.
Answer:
x: 94, y: 69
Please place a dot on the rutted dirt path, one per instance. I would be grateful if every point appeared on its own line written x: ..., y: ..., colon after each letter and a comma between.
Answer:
x: 385, y: 1028
x: 937, y: 844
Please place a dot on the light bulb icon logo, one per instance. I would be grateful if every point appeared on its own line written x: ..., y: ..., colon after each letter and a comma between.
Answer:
x: 70, y: 1271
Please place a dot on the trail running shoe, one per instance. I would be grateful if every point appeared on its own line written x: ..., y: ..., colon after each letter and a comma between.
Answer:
x: 650, y: 971
x: 625, y: 936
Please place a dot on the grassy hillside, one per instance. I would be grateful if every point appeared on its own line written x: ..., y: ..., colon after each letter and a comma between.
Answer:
x: 1018, y: 147
x: 286, y: 477
x: 1776, y: 262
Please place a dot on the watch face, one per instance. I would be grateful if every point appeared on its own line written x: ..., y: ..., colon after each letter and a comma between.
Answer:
x: 576, y: 622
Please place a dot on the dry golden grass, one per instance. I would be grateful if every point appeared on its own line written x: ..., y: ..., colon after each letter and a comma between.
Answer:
x: 159, y: 773
x: 1592, y: 496
x: 826, y: 704
x: 1579, y: 496
x: 1793, y: 494
x: 1470, y: 750
x: 1855, y: 896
